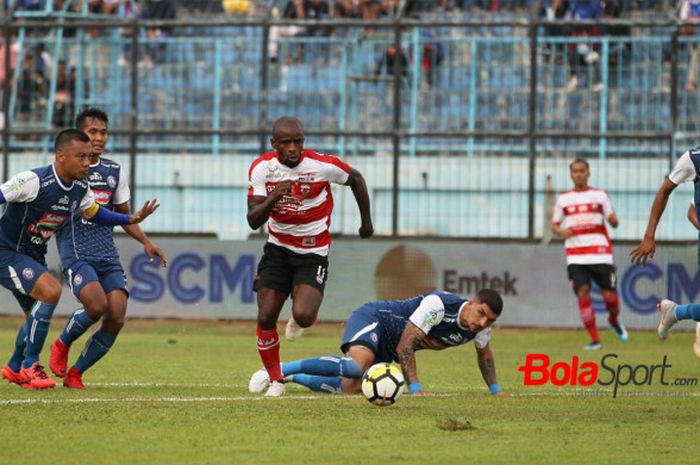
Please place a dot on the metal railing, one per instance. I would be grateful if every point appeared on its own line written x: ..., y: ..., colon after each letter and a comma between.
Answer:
x: 503, y: 92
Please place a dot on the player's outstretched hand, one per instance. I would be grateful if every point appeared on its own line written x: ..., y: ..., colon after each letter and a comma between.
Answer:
x: 645, y: 251
x: 146, y: 211
x: 366, y: 230
x: 152, y: 250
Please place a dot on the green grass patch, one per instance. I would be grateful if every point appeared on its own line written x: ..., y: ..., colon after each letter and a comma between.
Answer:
x: 173, y: 392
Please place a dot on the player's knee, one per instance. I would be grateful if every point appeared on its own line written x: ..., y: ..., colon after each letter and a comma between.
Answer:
x: 584, y: 292
x: 267, y: 320
x: 50, y: 292
x: 305, y: 321
x: 114, y: 325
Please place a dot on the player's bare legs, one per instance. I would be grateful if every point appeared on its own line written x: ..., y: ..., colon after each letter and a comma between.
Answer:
x: 270, y: 302
x: 115, y: 317
x: 306, y: 303
x: 585, y: 307
x: 365, y: 358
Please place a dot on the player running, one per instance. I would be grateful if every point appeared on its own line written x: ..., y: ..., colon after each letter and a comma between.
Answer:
x: 90, y: 260
x: 290, y: 191
x: 40, y: 202
x: 579, y: 218
x: 393, y: 330
x: 687, y: 169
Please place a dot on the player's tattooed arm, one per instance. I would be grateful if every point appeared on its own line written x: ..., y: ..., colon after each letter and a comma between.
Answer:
x: 259, y: 206
x: 411, y: 340
x: 487, y: 365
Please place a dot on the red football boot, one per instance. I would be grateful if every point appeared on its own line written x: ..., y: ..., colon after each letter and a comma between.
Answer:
x: 58, y: 360
x: 73, y: 380
x: 36, y: 378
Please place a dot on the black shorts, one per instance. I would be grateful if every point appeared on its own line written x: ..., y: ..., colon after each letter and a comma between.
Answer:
x: 602, y: 274
x: 281, y: 269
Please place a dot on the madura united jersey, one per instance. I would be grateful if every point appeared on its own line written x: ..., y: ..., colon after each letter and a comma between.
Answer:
x: 436, y: 313
x: 38, y: 205
x: 300, y: 221
x: 83, y: 239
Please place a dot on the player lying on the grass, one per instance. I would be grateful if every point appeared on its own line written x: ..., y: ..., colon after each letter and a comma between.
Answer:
x: 393, y: 330
x: 687, y: 169
x: 39, y: 202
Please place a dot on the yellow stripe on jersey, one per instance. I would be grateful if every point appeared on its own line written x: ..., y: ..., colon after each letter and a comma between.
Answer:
x: 91, y: 210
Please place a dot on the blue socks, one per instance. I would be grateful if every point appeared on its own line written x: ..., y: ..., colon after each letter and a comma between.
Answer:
x: 38, y: 323
x: 322, y: 374
x: 77, y: 324
x: 95, y: 348
x: 688, y: 312
x: 15, y: 361
x: 328, y: 365
x: 318, y: 383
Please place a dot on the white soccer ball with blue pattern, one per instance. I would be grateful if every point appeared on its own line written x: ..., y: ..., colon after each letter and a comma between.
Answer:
x: 383, y: 384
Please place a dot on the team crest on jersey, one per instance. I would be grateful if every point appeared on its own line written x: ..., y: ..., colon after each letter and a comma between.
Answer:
x: 111, y: 182
x: 77, y: 280
x: 28, y: 273
x: 305, y: 189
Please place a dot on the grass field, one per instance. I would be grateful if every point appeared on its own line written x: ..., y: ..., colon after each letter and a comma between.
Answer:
x: 176, y: 393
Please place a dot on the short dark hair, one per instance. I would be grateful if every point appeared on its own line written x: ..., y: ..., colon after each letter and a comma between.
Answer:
x: 580, y: 160
x: 90, y: 112
x: 490, y: 298
x: 67, y: 136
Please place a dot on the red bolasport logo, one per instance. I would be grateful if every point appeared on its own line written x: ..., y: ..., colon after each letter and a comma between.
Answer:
x: 538, y: 371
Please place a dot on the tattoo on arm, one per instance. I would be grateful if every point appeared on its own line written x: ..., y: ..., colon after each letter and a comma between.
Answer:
x: 488, y: 370
x: 411, y: 340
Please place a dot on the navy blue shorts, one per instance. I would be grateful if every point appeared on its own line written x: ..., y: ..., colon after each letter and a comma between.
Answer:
x: 110, y: 275
x: 19, y: 273
x: 364, y: 328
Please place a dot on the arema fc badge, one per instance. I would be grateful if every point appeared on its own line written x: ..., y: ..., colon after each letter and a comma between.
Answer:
x: 77, y: 280
x: 111, y: 182
x: 28, y: 273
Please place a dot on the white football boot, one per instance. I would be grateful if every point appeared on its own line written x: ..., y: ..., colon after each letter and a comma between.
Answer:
x: 293, y: 331
x: 668, y: 317
x: 276, y: 389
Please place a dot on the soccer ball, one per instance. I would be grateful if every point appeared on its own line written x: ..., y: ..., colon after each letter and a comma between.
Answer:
x: 383, y: 384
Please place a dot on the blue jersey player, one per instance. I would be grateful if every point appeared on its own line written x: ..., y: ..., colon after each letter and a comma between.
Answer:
x: 40, y: 202
x: 392, y: 330
x: 687, y: 169
x: 91, y: 264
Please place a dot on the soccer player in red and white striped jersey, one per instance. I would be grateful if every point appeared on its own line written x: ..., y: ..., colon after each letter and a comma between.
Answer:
x: 289, y: 189
x: 579, y: 218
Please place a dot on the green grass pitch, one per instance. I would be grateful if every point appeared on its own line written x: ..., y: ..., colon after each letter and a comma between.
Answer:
x: 175, y: 392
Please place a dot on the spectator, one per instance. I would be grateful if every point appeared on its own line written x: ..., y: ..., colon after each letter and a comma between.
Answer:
x: 385, y: 66
x: 31, y: 89
x: 156, y: 48
x: 581, y: 53
x: 690, y: 11
x: 433, y: 55
x: 64, y: 103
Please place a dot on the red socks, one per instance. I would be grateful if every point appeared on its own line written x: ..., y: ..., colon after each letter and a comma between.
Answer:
x: 612, y: 305
x: 269, y: 350
x: 588, y: 317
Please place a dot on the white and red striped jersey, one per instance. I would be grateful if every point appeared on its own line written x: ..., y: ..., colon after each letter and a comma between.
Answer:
x: 299, y: 222
x: 584, y: 214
